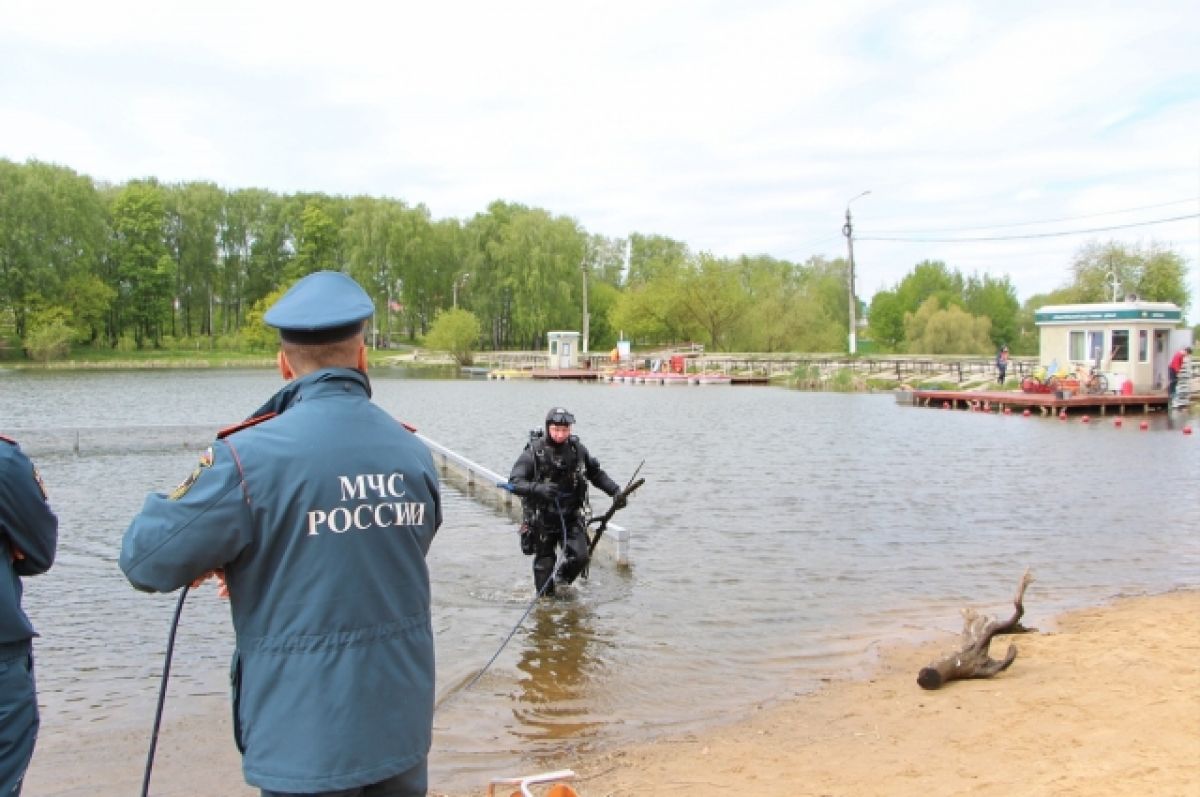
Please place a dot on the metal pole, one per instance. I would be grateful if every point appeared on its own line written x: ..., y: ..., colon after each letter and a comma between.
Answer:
x: 848, y: 231
x: 584, y: 267
x: 459, y: 281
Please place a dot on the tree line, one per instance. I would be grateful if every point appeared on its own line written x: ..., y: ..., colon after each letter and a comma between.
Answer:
x: 146, y: 265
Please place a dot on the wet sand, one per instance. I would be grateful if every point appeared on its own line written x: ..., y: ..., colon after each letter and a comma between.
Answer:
x: 1107, y: 702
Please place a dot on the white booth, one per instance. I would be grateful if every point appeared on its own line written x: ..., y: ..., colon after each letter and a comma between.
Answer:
x: 1126, y: 341
x: 563, y: 349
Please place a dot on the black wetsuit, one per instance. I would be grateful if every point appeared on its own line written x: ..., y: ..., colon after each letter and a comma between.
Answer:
x: 551, y: 523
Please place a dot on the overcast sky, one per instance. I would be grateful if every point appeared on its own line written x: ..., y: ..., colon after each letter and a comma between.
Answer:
x: 737, y: 127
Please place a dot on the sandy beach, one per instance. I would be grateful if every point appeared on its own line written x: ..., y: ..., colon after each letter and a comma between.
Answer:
x: 1106, y: 701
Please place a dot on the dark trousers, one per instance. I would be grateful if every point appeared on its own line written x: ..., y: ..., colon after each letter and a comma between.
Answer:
x: 412, y: 782
x: 549, y: 539
x: 1172, y: 380
x: 18, y: 714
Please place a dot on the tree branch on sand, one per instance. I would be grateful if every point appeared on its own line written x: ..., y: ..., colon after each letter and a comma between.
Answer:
x: 972, y: 660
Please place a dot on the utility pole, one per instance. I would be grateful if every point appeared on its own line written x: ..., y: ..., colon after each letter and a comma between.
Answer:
x: 458, y: 281
x: 848, y: 231
x: 583, y: 267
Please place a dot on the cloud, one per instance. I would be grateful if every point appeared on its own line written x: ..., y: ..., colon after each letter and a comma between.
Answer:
x: 739, y: 129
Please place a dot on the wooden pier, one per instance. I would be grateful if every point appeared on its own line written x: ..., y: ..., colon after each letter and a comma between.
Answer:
x: 577, y: 374
x: 1045, y: 403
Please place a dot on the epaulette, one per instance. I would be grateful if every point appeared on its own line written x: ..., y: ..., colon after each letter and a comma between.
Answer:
x: 8, y: 440
x: 246, y: 424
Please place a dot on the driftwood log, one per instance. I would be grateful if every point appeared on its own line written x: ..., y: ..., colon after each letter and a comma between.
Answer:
x: 972, y: 660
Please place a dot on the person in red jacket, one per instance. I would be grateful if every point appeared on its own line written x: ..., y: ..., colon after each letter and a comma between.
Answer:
x: 1173, y: 369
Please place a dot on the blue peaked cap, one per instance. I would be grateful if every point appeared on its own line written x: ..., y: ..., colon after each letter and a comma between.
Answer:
x: 324, y: 307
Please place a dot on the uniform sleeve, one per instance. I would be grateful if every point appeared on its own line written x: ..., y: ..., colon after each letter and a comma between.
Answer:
x: 202, y: 525
x: 25, y: 517
x: 521, y: 476
x: 597, y: 476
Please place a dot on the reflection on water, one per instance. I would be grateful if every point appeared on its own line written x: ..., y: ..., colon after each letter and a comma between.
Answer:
x: 781, y: 537
x: 559, y: 665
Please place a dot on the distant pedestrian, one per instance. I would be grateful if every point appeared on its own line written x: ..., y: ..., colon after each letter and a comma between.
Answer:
x: 1174, y: 368
x: 1001, y: 364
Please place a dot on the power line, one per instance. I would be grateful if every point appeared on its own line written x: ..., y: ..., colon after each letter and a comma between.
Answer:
x: 1029, y: 235
x: 1043, y: 221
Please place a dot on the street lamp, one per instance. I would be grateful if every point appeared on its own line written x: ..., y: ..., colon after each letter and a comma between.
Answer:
x: 458, y: 281
x: 848, y: 231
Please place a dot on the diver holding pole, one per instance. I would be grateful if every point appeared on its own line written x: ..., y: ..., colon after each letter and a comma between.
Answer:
x: 551, y: 475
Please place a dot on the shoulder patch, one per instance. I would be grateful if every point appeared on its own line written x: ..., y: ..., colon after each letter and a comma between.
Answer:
x: 246, y: 424
x: 206, y: 461
x: 37, y: 477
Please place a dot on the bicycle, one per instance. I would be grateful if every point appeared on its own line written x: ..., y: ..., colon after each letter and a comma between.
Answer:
x: 1048, y: 379
x: 1094, y: 383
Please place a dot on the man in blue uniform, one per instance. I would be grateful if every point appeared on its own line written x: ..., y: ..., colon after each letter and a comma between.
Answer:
x: 551, y: 475
x: 318, y: 513
x: 30, y: 533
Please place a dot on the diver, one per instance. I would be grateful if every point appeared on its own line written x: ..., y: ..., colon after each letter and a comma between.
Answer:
x: 551, y: 475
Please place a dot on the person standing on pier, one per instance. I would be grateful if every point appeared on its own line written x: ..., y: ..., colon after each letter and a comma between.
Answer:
x: 317, y: 514
x: 30, y: 533
x: 1001, y: 364
x: 551, y: 475
x: 1173, y: 369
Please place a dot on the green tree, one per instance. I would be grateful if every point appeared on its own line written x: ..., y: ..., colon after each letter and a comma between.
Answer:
x: 886, y: 320
x: 52, y: 228
x: 652, y: 312
x: 769, y: 324
x: 192, y: 226
x: 713, y: 298
x: 930, y: 278
x: 934, y: 329
x: 316, y: 238
x: 654, y: 256
x: 995, y: 299
x: 89, y: 300
x: 49, y: 336
x: 1152, y: 272
x: 826, y: 288
x: 526, y: 273
x: 144, y: 271
x: 457, y: 333
x: 255, y: 335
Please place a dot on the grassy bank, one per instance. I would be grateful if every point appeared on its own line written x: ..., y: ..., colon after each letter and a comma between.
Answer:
x: 105, y: 359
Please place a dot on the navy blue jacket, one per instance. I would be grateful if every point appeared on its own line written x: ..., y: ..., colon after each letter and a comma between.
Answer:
x: 26, y: 525
x: 321, y: 517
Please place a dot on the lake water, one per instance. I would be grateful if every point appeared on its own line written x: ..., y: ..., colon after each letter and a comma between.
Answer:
x: 781, y: 537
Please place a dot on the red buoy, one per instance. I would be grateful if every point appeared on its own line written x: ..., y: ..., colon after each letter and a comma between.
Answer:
x: 1117, y: 422
x: 1187, y: 430
x: 1025, y: 413
x: 1144, y: 425
x: 1086, y: 419
x: 1062, y: 416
